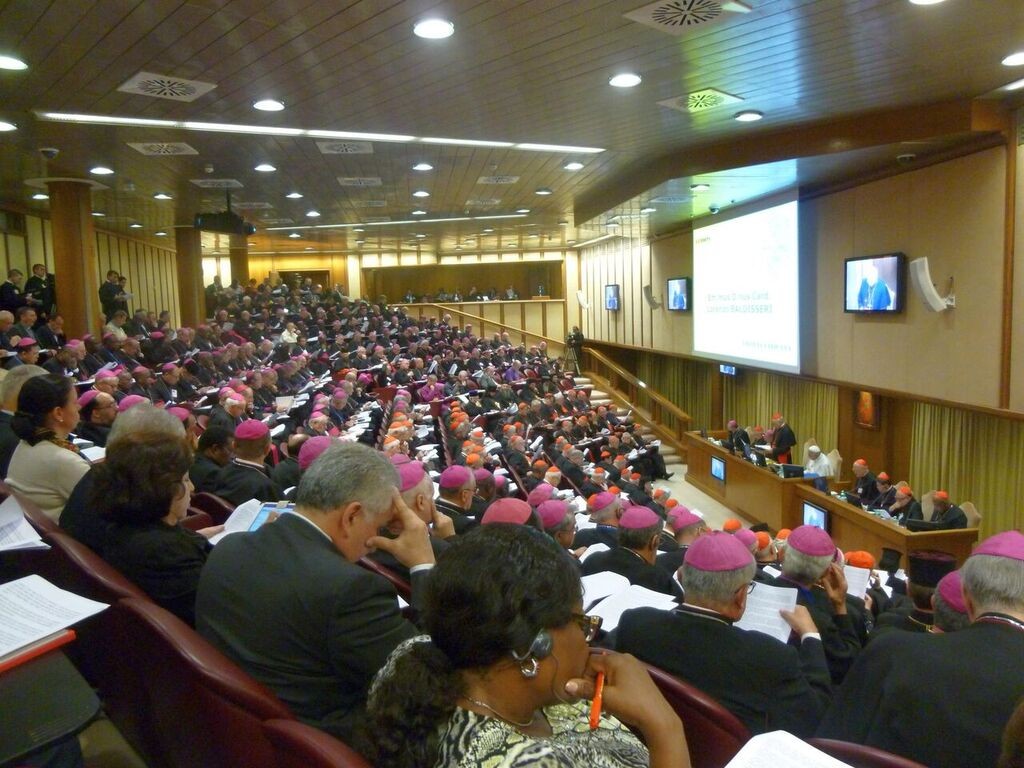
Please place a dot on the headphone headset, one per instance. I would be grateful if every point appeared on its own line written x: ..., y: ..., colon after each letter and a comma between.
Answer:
x: 539, y: 649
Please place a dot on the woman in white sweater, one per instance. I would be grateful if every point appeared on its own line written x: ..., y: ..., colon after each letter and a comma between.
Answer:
x: 45, y: 466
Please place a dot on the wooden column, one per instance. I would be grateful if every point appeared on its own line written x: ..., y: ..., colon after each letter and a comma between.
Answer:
x: 239, y: 250
x: 189, y: 264
x: 74, y: 256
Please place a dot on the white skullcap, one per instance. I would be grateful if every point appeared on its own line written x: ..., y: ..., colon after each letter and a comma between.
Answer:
x: 813, y: 449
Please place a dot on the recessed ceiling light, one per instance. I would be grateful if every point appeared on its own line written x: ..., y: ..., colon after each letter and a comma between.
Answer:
x: 1015, y: 86
x: 162, y: 196
x: 313, y: 214
x: 5, y: 126
x: 612, y: 224
x: 420, y: 236
x: 268, y: 105
x: 40, y: 196
x: 563, y: 223
x: 748, y: 116
x: 434, y: 29
x: 625, y: 80
x: 573, y: 166
x: 360, y: 242
x: 98, y: 214
x: 265, y: 168
x: 570, y: 242
x: 419, y: 213
x: 100, y: 170
x: 294, y: 235
x: 543, y: 191
x: 160, y: 233
x: 700, y: 187
x: 10, y: 62
x: 1014, y: 59
x: 421, y: 193
x: 926, y: 2
x: 135, y: 225
x: 309, y: 247
x: 458, y: 247
x: 522, y: 210
x: 358, y: 229
x: 535, y: 235
x: 294, y: 195
x: 423, y: 167
x: 488, y: 231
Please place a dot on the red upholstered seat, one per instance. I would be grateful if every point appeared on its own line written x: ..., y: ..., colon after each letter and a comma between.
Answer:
x: 197, y: 519
x: 217, y: 508
x: 180, y: 701
x: 297, y: 745
x: 713, y: 733
x: 33, y: 513
x: 860, y: 756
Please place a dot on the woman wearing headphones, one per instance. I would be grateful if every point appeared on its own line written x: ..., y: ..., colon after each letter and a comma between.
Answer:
x: 505, y: 676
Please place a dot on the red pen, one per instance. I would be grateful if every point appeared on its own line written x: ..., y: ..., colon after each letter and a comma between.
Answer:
x: 595, y: 705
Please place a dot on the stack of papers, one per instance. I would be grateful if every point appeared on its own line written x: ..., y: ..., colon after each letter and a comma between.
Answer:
x: 17, y: 533
x: 611, y: 608
x: 34, y: 610
x: 600, y: 585
x: 593, y: 549
x: 780, y: 749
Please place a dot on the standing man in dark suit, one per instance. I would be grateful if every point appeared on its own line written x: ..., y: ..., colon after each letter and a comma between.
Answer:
x: 111, y: 294
x: 783, y: 440
x: 771, y: 685
x: 290, y: 606
x: 11, y: 296
x: 944, y: 699
x: 40, y: 287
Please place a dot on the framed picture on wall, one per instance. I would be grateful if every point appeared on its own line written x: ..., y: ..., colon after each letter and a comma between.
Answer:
x: 867, y: 412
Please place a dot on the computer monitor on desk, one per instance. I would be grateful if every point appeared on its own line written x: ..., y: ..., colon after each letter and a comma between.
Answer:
x: 815, y: 515
x: 791, y: 470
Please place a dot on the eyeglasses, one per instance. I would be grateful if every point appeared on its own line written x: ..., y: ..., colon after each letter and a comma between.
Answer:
x: 590, y: 625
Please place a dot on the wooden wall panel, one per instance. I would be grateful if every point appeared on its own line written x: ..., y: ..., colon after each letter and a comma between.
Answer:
x: 17, y: 254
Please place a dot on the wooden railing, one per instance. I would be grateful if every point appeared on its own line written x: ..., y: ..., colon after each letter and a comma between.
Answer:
x: 664, y: 416
x: 556, y: 347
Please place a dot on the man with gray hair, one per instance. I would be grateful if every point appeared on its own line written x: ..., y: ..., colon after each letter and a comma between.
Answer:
x: 289, y: 604
x: 767, y: 684
x: 943, y: 699
x: 10, y: 388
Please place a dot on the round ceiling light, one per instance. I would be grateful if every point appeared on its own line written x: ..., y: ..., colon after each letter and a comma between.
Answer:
x: 40, y: 196
x: 100, y: 170
x: 160, y: 233
x: 419, y: 212
x: 135, y: 225
x: 294, y: 235
x: 543, y: 191
x: 421, y: 193
x: 11, y: 62
x: 434, y: 29
x: 5, y: 126
x: 748, y: 116
x: 1014, y: 59
x: 268, y: 105
x: 313, y: 214
x: 265, y: 168
x: 700, y: 187
x: 573, y: 166
x: 423, y: 167
x: 162, y: 196
x: 522, y: 210
x: 294, y: 195
x: 625, y: 80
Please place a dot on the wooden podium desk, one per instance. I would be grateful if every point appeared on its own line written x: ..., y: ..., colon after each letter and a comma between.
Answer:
x: 756, y: 493
x: 852, y: 528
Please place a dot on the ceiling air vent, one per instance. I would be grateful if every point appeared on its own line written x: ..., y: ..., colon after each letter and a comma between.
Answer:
x: 166, y: 87
x: 163, y: 148
x: 483, y: 202
x: 376, y: 219
x: 276, y: 222
x: 252, y: 206
x: 217, y: 183
x: 672, y: 199
x: 372, y: 204
x: 329, y: 147
x: 360, y: 181
x: 679, y: 17
x: 497, y: 180
x: 700, y: 101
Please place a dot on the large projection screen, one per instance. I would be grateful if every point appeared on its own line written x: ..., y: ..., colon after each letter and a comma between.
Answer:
x: 746, y: 298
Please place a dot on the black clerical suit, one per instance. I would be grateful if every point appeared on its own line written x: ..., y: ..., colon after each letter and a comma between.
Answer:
x: 942, y: 700
x: 953, y: 517
x: 239, y: 481
x: 8, y: 442
x: 601, y: 534
x: 287, y: 473
x: 767, y: 684
x: 866, y: 488
x: 286, y: 606
x: 628, y: 563
x: 460, y: 517
x: 203, y: 474
x: 95, y: 433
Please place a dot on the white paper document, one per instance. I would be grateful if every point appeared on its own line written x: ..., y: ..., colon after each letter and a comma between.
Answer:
x: 250, y: 516
x: 762, y: 612
x: 611, y: 608
x: 600, y: 585
x: 779, y: 749
x: 95, y: 454
x: 857, y: 580
x: 33, y: 608
x: 15, y: 531
x: 772, y: 571
x: 593, y: 549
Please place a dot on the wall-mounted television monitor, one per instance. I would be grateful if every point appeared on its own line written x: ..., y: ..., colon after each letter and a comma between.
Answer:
x: 815, y: 515
x: 718, y: 468
x: 611, y: 298
x: 678, y: 292
x: 875, y: 283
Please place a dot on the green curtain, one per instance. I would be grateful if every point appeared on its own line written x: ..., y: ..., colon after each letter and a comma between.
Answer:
x: 687, y: 383
x: 811, y: 408
x: 974, y: 456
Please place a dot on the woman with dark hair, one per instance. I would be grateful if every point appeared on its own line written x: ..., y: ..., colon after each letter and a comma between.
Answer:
x: 503, y: 678
x: 45, y: 466
x: 143, y: 489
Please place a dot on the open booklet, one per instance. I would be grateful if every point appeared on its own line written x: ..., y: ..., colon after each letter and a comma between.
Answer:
x: 762, y: 612
x: 611, y: 608
x: 16, y: 532
x: 250, y: 515
x: 779, y: 749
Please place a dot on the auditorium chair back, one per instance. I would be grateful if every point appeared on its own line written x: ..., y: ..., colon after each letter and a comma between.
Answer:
x: 35, y: 516
x: 972, y: 513
x: 183, y: 702
x: 859, y: 756
x: 713, y: 733
x: 402, y: 587
x: 196, y: 520
x: 297, y: 745
x: 217, y: 508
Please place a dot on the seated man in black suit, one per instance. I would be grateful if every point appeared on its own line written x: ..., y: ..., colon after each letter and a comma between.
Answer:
x: 605, y: 509
x: 639, y: 534
x: 915, y: 612
x: 767, y: 684
x: 290, y: 606
x: 945, y: 516
x: 944, y: 699
x: 216, y: 449
x: 97, y: 411
x: 687, y: 528
x: 865, y: 484
x: 246, y: 477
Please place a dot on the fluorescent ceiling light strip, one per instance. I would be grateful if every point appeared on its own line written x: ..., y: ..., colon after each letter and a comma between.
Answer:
x: 398, y: 221
x: 265, y: 130
x: 595, y: 240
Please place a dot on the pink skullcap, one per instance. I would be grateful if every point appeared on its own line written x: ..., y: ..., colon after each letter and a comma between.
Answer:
x: 168, y: 367
x: 27, y: 342
x: 339, y: 393
x: 482, y: 475
x: 717, y: 551
x: 403, y: 393
x: 87, y: 397
x: 226, y: 392
x: 73, y: 344
x: 118, y: 370
x: 540, y: 494
x: 454, y: 477
x: 87, y: 337
x: 732, y: 424
x: 811, y: 541
x: 1008, y: 544
x: 252, y: 429
x: 746, y: 537
x: 140, y: 369
x: 107, y: 374
x: 680, y: 517
x: 399, y: 458
x: 107, y: 335
x: 129, y: 401
x: 552, y: 512
x: 599, y: 501
x: 364, y: 378
x: 638, y: 517
x: 409, y: 475
x: 509, y: 511
x: 499, y: 481
x: 311, y: 449
x: 181, y: 414
x: 156, y: 335
x: 951, y: 591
